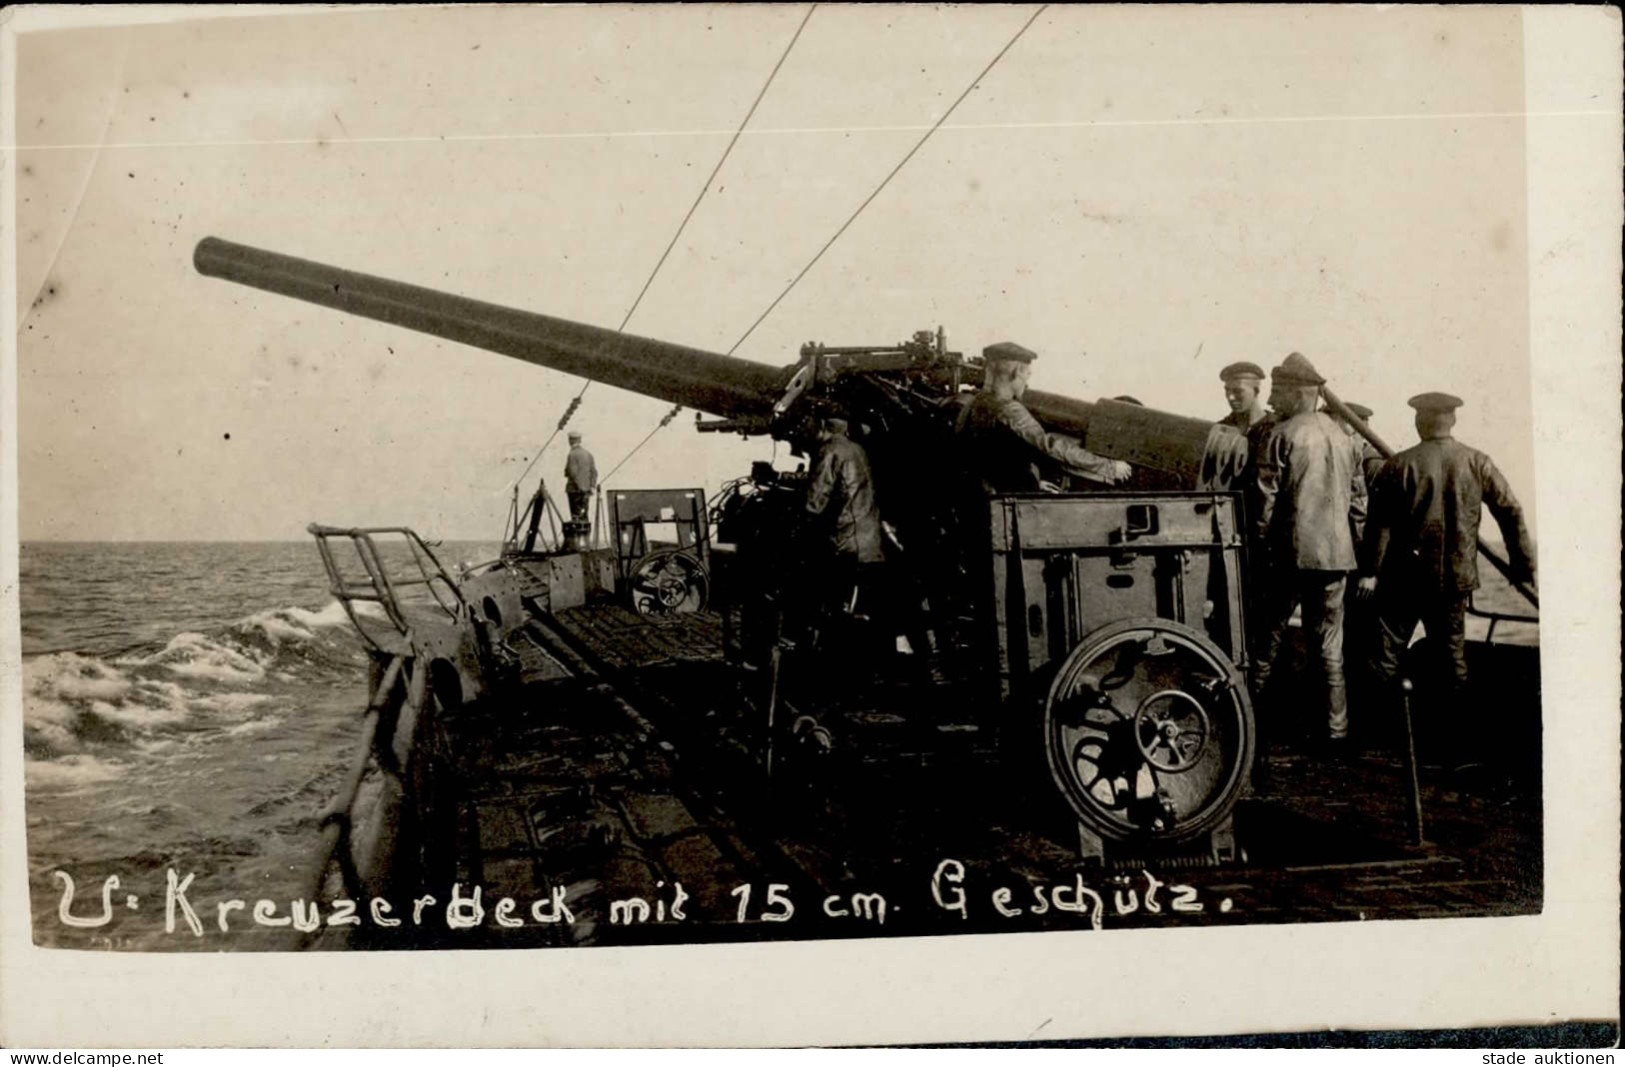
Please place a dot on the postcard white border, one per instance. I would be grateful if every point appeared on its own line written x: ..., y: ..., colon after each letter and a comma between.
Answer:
x: 1417, y: 974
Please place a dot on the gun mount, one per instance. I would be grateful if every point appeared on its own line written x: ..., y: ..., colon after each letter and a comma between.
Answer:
x: 1114, y: 619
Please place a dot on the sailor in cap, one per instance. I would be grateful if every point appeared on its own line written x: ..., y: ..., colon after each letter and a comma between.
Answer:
x: 1422, y: 558
x: 1360, y: 630
x: 1312, y: 504
x: 1005, y: 444
x: 841, y: 496
x: 1243, y: 391
x: 580, y: 479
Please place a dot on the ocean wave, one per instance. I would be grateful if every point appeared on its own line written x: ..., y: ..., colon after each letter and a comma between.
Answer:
x: 296, y: 638
x: 295, y: 623
x: 71, y: 770
x: 198, y: 686
x: 255, y: 726
x: 71, y: 702
x: 195, y: 655
x: 280, y: 639
x: 161, y: 704
x: 231, y: 703
x: 70, y: 676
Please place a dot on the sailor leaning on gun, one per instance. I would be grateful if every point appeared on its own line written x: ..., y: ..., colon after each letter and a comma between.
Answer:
x: 1006, y: 444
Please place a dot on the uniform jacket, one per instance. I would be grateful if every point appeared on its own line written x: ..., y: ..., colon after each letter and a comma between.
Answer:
x: 1226, y: 461
x: 1312, y: 495
x: 1258, y: 435
x: 1003, y: 444
x: 843, y: 490
x: 580, y: 471
x: 1371, y: 461
x: 1230, y: 461
x: 1426, y: 505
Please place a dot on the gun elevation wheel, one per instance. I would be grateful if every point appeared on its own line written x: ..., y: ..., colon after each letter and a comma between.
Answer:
x: 668, y: 581
x: 1149, y: 731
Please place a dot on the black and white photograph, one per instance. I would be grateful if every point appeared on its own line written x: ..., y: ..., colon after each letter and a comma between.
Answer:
x: 596, y: 485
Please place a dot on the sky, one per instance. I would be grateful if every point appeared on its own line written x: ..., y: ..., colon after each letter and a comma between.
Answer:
x: 1140, y: 195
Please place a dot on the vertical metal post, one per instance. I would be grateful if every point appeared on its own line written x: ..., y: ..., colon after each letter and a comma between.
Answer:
x: 774, y: 664
x: 1414, y: 815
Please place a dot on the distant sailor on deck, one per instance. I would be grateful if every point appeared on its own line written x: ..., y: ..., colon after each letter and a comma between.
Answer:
x: 1423, y: 558
x: 1006, y: 444
x: 580, y: 479
x: 1312, y: 514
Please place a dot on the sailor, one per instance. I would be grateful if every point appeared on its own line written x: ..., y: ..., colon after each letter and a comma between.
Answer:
x: 1367, y: 456
x: 1006, y: 444
x: 1422, y: 562
x: 580, y: 479
x: 1361, y: 636
x: 1312, y: 514
x: 842, y: 495
x: 1244, y: 391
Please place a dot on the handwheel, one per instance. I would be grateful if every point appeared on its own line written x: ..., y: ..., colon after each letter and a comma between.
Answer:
x: 668, y: 581
x: 1149, y: 731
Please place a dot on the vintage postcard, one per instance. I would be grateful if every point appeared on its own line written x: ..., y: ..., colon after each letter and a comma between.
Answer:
x: 771, y: 524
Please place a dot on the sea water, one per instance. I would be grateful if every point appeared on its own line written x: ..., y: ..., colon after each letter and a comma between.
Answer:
x: 189, y: 707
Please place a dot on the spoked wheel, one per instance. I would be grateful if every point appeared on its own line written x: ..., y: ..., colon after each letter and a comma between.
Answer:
x: 668, y: 581
x: 1149, y: 731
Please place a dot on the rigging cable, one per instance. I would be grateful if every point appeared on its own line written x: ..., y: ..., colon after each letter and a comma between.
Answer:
x: 661, y: 425
x: 853, y: 218
x: 887, y: 179
x: 706, y: 187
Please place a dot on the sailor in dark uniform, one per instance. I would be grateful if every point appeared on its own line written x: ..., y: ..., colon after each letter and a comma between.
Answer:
x: 1250, y: 417
x: 1422, y: 561
x: 1005, y: 445
x: 1244, y: 392
x: 841, y: 497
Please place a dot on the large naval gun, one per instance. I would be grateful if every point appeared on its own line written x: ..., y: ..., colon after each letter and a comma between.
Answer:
x: 1075, y: 657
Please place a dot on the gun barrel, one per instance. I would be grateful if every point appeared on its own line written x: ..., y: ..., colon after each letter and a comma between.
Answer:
x: 706, y: 381
x: 725, y: 386
x: 1139, y: 436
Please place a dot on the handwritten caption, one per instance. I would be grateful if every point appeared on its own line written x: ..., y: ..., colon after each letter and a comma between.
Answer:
x: 950, y: 897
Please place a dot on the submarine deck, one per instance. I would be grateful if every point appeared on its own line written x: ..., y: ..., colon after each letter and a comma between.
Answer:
x: 633, y: 761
